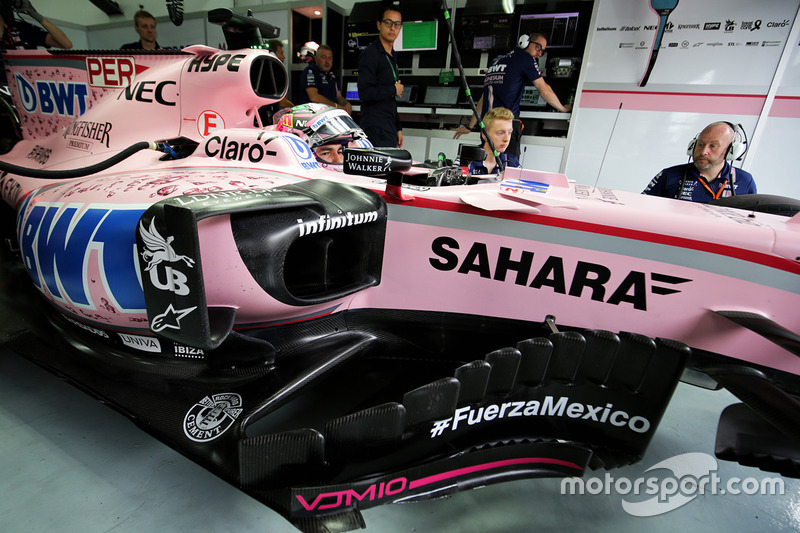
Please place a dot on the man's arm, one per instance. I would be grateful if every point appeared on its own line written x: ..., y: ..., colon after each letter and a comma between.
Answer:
x: 546, y: 92
x: 317, y: 98
x: 55, y: 37
x: 750, y: 187
x: 461, y: 130
x: 657, y: 186
x: 344, y: 104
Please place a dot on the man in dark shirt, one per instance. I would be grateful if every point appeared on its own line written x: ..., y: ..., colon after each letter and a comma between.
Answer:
x: 318, y: 83
x: 500, y: 126
x: 378, y: 84
x: 16, y: 34
x: 505, y: 82
x: 145, y: 25
x: 711, y: 175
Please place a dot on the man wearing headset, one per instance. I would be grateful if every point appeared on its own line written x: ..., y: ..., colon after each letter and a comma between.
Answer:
x: 505, y: 82
x: 711, y: 174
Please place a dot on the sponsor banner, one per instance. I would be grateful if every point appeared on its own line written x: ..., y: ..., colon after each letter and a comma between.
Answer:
x: 615, y: 58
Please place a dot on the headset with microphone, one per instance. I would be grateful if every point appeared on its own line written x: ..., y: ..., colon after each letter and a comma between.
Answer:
x: 736, y: 149
x: 735, y: 152
x: 526, y: 39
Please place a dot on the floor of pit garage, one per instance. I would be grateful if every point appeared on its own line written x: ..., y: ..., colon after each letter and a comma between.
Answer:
x: 67, y: 462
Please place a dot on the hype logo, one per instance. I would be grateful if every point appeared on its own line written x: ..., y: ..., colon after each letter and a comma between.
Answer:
x: 48, y: 97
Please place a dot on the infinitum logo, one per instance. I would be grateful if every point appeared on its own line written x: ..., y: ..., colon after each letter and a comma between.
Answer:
x: 693, y: 474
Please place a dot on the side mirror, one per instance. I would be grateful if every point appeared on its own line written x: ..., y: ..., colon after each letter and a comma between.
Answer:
x: 467, y: 153
x: 375, y: 161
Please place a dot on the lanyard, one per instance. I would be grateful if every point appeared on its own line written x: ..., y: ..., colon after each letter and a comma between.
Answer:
x: 718, y: 194
x: 391, y: 65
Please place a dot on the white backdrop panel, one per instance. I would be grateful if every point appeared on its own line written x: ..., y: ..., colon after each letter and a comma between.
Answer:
x: 706, y: 43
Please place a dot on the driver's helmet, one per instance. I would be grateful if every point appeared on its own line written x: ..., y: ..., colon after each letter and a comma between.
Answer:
x: 319, y: 124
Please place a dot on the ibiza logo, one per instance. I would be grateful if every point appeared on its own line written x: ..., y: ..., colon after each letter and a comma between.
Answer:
x: 159, y: 250
x: 212, y: 416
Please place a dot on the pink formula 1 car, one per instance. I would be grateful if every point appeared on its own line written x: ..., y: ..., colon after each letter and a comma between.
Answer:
x: 329, y: 341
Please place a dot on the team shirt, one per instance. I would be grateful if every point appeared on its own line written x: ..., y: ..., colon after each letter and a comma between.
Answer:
x: 477, y: 168
x: 324, y: 82
x: 698, y: 189
x: 506, y: 79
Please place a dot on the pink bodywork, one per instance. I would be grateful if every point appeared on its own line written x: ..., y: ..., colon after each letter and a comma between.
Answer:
x: 443, y: 247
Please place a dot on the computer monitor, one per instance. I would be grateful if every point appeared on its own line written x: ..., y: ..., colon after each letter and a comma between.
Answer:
x: 435, y: 95
x: 560, y: 29
x: 351, y: 90
x: 358, y: 35
x: 417, y: 35
x: 531, y: 97
x: 486, y: 32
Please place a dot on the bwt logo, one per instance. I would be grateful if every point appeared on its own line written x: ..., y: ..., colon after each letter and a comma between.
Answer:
x: 65, y: 99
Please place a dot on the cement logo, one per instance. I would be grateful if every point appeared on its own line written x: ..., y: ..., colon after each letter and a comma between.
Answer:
x: 212, y: 416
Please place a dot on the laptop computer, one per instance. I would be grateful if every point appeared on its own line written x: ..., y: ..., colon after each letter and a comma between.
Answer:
x: 409, y: 94
x: 441, y: 96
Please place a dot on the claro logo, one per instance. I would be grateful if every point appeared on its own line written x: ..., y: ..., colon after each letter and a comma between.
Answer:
x: 553, y: 272
x: 224, y: 148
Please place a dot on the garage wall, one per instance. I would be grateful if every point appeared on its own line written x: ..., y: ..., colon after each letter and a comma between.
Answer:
x: 719, y: 60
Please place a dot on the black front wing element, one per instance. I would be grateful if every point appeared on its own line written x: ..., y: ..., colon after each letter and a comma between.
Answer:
x: 307, y: 243
x: 343, y: 421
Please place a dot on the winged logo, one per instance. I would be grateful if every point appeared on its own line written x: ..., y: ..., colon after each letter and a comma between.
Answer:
x: 159, y: 249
